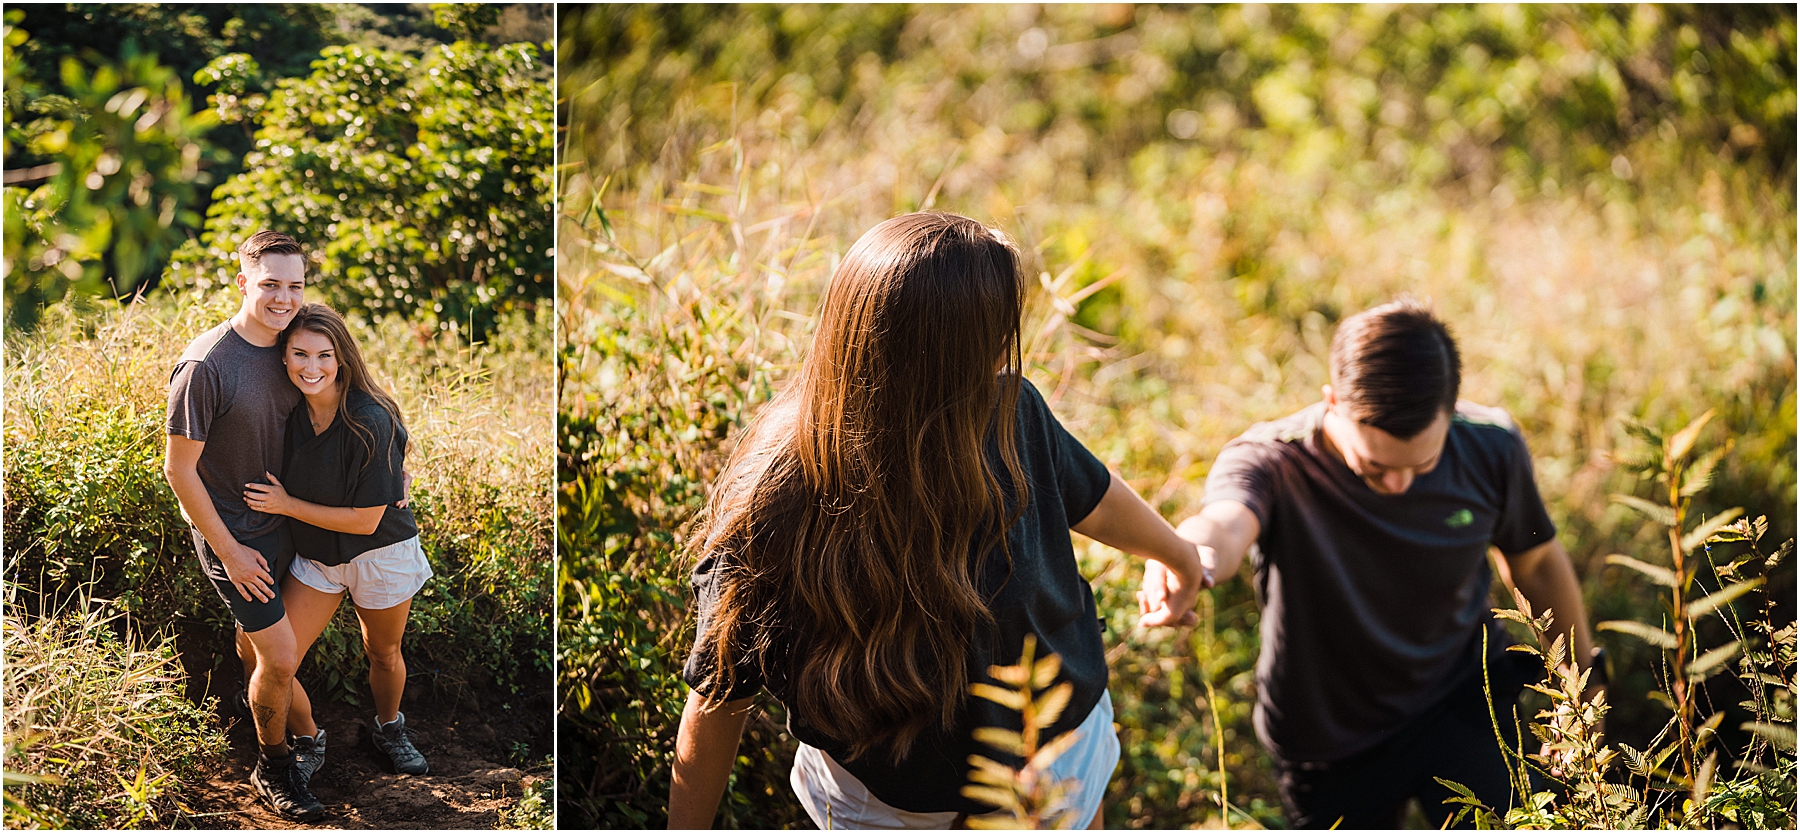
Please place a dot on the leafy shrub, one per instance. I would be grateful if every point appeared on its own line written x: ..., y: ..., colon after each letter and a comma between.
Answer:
x: 119, y: 170
x: 421, y: 184
x: 1752, y: 785
x: 98, y: 734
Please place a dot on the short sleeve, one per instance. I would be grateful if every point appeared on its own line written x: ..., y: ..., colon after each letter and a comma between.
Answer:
x: 1524, y: 523
x: 1243, y: 474
x: 1081, y: 479
x: 749, y: 677
x: 379, y: 482
x: 193, y: 400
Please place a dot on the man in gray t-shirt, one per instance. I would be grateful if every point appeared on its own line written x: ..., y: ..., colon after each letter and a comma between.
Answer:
x: 229, y: 398
x: 1372, y: 514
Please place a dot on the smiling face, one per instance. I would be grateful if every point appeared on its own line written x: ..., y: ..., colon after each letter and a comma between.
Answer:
x: 1388, y: 464
x: 273, y: 286
x: 312, y: 363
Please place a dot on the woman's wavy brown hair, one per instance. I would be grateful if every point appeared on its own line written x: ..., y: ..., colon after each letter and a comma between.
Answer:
x: 857, y: 513
x: 353, y: 372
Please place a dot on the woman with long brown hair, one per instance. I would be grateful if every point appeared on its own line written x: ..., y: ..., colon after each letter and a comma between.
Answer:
x: 343, y: 490
x: 894, y: 523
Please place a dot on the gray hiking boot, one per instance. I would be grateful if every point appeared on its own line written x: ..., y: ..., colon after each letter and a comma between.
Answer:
x: 309, y: 753
x: 279, y: 783
x: 392, y: 739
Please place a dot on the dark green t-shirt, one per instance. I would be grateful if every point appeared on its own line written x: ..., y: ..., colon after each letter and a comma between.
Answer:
x: 1372, y: 603
x: 1043, y: 593
x: 341, y: 467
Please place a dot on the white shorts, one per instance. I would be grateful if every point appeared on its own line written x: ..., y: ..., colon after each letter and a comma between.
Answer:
x: 376, y: 580
x: 821, y: 782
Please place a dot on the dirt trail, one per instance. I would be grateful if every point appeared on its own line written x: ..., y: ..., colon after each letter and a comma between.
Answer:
x: 472, y: 775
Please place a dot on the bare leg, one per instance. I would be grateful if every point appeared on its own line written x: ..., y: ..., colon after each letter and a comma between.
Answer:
x: 382, y: 630
x: 310, y: 611
x: 246, y: 655
x: 1099, y: 822
x: 272, y: 682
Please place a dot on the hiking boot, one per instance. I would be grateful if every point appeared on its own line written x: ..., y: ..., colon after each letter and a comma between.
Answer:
x: 240, y: 703
x: 392, y: 739
x: 279, y: 782
x: 309, y: 753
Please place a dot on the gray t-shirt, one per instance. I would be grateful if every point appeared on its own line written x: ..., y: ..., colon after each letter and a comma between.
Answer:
x: 235, y: 397
x: 1372, y: 603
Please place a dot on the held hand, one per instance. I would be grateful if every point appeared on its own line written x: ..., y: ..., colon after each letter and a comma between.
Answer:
x: 1167, y: 598
x: 248, y: 571
x: 406, y: 481
x: 272, y: 498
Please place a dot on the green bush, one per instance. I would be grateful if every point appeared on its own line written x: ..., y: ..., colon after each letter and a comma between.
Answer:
x: 421, y: 184
x: 119, y: 169
x: 1599, y: 201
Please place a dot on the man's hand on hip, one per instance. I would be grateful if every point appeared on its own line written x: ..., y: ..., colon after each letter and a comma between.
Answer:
x: 248, y: 571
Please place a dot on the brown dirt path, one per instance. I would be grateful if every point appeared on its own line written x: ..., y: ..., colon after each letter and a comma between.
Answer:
x: 465, y: 789
x: 474, y: 775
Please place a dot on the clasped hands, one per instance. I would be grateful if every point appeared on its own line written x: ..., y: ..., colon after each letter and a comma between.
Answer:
x: 1167, y: 596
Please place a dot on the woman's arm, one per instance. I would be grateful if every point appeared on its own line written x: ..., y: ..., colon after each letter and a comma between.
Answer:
x: 705, y: 748
x: 1124, y: 521
x: 275, y: 500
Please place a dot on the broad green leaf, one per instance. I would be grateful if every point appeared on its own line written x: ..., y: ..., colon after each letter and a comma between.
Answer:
x: 1654, y: 511
x: 1683, y: 441
x: 1655, y: 636
x: 1712, y: 602
x: 1661, y: 575
x: 1711, y: 525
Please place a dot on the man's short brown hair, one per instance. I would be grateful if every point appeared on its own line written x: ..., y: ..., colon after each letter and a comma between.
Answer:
x: 1395, y: 367
x: 267, y: 243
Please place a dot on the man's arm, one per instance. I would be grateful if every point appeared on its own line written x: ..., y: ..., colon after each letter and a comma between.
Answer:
x: 1222, y: 533
x: 705, y: 748
x: 1123, y: 520
x: 244, y: 566
x: 1546, y: 576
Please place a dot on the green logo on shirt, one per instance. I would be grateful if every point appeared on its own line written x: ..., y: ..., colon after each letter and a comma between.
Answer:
x: 1459, y: 519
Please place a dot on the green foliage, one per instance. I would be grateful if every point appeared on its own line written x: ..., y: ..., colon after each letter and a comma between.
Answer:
x: 1584, y: 789
x: 87, y: 510
x: 421, y: 184
x: 640, y: 438
x: 98, y: 732
x: 120, y: 160
x: 283, y: 37
x: 536, y: 809
x: 1202, y: 194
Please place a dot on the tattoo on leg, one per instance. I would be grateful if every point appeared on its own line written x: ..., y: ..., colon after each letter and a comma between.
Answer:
x: 265, y: 716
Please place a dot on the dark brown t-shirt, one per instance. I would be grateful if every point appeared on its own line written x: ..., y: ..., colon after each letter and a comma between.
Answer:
x: 235, y: 397
x: 1372, y: 603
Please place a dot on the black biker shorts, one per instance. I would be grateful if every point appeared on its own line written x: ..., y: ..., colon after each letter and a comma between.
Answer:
x: 277, y: 548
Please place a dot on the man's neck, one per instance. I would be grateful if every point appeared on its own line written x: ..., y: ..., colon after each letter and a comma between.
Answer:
x: 251, y: 330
